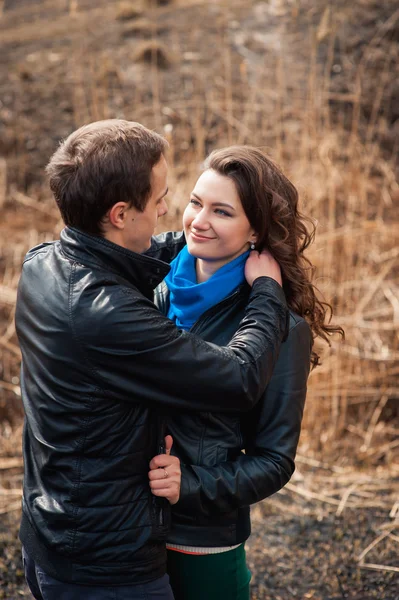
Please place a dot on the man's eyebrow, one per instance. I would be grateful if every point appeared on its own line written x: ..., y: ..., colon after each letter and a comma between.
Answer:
x: 163, y: 195
x: 214, y: 203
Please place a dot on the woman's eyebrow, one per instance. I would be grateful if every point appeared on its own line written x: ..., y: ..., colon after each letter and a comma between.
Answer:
x: 223, y: 204
x: 214, y: 203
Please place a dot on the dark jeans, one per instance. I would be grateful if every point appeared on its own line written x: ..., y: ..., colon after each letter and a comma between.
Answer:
x: 44, y: 587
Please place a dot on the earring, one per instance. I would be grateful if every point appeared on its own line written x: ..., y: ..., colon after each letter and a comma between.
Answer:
x: 252, y: 246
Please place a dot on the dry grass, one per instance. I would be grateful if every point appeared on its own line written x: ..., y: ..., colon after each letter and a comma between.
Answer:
x: 319, y: 136
x: 153, y: 53
x: 127, y: 11
x: 274, y: 87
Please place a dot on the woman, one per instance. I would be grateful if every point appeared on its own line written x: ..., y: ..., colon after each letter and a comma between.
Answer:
x: 242, y: 201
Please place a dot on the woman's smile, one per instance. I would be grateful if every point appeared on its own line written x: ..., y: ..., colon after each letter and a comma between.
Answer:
x: 200, y: 238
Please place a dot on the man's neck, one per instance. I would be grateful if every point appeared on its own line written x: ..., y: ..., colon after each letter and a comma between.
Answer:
x: 113, y: 236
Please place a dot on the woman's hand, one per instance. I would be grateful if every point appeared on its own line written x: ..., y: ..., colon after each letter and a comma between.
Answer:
x: 165, y: 474
x: 262, y: 265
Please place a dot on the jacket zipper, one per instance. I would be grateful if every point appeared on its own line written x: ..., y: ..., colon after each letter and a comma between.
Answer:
x: 158, y: 503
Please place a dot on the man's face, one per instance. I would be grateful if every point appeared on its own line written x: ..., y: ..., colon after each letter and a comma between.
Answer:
x: 140, y: 226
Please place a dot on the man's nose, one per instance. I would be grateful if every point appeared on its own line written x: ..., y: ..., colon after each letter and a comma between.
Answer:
x: 163, y: 209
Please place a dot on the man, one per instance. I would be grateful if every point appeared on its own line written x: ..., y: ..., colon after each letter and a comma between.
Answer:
x: 100, y: 363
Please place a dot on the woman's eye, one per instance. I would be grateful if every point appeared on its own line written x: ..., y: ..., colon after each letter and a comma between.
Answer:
x: 222, y: 212
x: 195, y: 202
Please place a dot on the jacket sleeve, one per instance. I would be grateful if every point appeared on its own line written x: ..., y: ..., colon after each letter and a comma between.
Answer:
x: 139, y: 356
x: 272, y: 430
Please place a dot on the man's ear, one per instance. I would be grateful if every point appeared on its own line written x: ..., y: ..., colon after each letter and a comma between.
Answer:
x: 117, y: 215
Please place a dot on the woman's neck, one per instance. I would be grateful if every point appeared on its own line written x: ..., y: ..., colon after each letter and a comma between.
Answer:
x: 205, y: 269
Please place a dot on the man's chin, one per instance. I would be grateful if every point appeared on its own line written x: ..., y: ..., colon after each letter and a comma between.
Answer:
x: 147, y: 247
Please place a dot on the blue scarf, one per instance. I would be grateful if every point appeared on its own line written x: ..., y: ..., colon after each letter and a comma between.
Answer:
x: 189, y: 299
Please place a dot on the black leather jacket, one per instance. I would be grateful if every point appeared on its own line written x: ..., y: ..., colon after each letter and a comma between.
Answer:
x: 219, y: 480
x: 98, y: 362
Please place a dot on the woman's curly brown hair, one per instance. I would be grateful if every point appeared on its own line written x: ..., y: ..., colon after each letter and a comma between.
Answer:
x: 270, y: 202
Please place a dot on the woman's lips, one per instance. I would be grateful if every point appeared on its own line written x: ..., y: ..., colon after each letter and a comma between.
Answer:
x: 200, y: 238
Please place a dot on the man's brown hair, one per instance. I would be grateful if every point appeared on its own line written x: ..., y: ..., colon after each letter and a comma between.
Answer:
x: 99, y: 165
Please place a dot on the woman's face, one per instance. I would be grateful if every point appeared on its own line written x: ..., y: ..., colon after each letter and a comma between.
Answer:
x: 215, y: 224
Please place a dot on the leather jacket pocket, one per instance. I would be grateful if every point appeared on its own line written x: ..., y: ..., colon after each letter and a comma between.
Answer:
x: 221, y: 454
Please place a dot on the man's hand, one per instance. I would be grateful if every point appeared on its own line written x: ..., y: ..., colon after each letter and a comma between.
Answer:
x: 165, y: 474
x: 262, y: 265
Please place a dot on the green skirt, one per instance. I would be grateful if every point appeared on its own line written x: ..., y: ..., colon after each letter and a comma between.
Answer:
x: 209, y: 576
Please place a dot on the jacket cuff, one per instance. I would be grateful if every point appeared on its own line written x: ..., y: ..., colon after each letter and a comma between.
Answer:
x: 185, y: 502
x: 272, y: 288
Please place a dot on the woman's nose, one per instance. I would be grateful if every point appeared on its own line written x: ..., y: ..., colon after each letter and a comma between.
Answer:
x: 200, y: 221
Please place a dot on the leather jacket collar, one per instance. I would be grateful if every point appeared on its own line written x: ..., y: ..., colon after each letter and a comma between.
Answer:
x: 142, y: 271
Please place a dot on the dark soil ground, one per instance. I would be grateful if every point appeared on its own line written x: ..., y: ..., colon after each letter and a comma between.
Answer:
x: 298, y: 550
x: 290, y: 556
x: 313, y: 556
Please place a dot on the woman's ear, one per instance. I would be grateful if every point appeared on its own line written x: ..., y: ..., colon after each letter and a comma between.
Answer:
x: 253, y: 239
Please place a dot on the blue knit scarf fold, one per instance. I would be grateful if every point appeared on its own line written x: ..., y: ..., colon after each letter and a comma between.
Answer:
x: 189, y: 299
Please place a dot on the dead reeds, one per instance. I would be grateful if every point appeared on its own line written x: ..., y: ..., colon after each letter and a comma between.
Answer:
x: 277, y: 91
